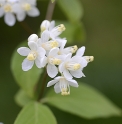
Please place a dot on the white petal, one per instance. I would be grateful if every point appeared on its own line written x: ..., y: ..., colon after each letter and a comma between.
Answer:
x: 27, y: 65
x: 52, y: 25
x: 77, y: 74
x: 68, y: 56
x: 57, y: 88
x: 45, y: 36
x: 21, y: 16
x: 52, y: 70
x: 67, y: 74
x: 32, y: 45
x: 81, y: 51
x: 43, y: 61
x: 77, y: 59
x: 50, y: 83
x: 72, y: 82
x: 53, y: 51
x: 45, y: 24
x: 83, y: 62
x: 37, y: 62
x: 33, y: 12
x: 63, y: 43
x: 41, y: 52
x: 1, y: 12
x: 61, y: 67
x: 9, y: 19
x: 23, y: 51
x: 33, y: 37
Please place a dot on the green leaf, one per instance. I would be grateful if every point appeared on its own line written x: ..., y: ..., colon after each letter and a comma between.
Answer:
x: 74, y: 32
x: 72, y: 8
x: 84, y: 101
x: 35, y: 113
x: 52, y: 1
x: 26, y: 80
x: 22, y: 98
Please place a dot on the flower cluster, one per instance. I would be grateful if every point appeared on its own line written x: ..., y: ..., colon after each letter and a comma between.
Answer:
x: 49, y: 51
x: 18, y: 8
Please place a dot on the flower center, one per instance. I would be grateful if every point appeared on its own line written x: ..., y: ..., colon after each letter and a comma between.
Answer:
x: 61, y: 28
x: 64, y: 86
x: 72, y: 66
x: 7, y: 8
x: 49, y: 45
x: 32, y: 56
x: 54, y: 61
x: 26, y: 6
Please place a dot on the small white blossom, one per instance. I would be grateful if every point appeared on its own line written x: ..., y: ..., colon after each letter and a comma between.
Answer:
x: 24, y: 7
x: 53, y: 31
x: 7, y: 9
x: 35, y: 53
x: 62, y: 85
x: 52, y: 60
x: 72, y: 66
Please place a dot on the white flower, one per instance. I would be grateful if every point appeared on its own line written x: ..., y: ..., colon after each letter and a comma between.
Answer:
x: 7, y: 9
x: 53, y: 31
x: 24, y: 7
x: 52, y: 60
x: 35, y: 53
x: 62, y: 85
x: 80, y: 53
x: 72, y: 66
x: 46, y: 43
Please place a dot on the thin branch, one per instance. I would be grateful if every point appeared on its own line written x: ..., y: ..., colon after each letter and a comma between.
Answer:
x: 50, y: 10
x: 26, y: 27
x: 43, y: 85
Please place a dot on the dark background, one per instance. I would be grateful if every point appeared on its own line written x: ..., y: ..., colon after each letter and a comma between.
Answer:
x: 103, y: 24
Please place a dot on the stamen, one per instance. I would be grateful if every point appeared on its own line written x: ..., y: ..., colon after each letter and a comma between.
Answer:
x: 49, y: 45
x: 89, y: 58
x: 74, y: 49
x: 7, y: 8
x: 26, y: 7
x: 54, y: 44
x: 54, y: 61
x: 73, y: 66
x: 61, y: 28
x: 32, y: 56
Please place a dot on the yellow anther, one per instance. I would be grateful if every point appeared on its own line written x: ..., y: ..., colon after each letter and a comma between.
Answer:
x: 7, y: 8
x: 54, y: 44
x: 89, y: 58
x: 74, y: 49
x: 27, y: 7
x: 32, y: 56
x: 76, y: 66
x: 61, y: 28
x: 56, y: 61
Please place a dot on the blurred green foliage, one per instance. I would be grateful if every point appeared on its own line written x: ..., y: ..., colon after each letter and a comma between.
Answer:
x: 103, y: 24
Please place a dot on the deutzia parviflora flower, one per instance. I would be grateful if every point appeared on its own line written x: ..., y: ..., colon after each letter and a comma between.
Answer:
x: 7, y: 9
x: 35, y: 53
x: 53, y: 31
x: 28, y: 7
x: 62, y: 85
x: 72, y: 66
x: 52, y: 60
